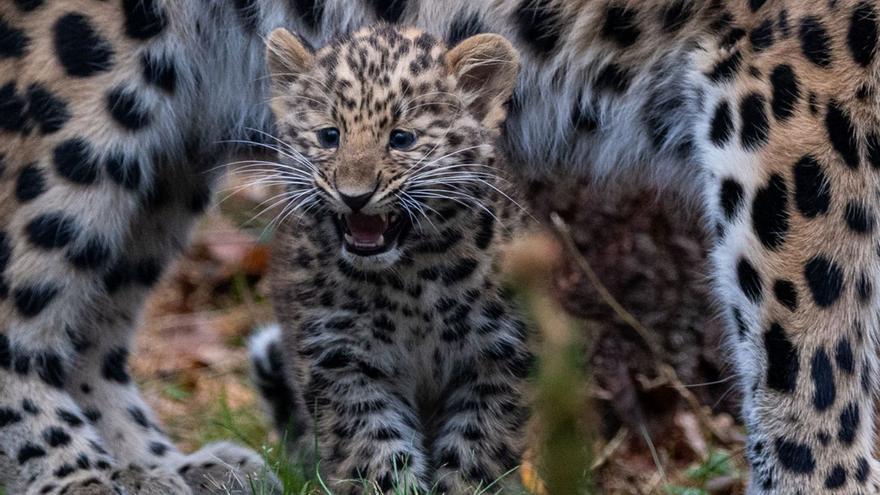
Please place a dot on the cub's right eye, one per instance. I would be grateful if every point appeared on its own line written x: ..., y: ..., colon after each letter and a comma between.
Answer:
x: 328, y: 137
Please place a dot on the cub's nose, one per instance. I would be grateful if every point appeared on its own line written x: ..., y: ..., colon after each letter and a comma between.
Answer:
x: 356, y: 202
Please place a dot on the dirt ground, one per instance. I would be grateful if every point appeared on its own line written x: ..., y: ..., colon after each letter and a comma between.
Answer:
x: 657, y: 431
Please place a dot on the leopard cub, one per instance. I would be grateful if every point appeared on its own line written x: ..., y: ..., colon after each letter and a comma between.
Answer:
x: 399, y: 355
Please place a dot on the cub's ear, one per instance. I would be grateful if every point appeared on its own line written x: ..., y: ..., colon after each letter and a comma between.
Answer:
x: 486, y: 66
x: 287, y: 58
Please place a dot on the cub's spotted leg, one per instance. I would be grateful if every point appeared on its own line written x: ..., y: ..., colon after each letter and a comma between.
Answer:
x: 478, y: 440
x: 368, y: 432
x: 796, y: 263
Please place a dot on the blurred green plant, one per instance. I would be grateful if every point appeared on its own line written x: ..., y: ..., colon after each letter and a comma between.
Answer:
x: 718, y: 464
x: 565, y: 441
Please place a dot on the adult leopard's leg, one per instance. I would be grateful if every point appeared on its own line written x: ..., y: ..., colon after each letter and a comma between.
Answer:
x: 100, y: 382
x: 791, y: 154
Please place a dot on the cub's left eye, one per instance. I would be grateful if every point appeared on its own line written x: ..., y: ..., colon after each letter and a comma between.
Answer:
x: 401, y: 140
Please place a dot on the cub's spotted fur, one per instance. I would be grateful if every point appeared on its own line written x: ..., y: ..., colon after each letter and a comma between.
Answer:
x: 405, y: 357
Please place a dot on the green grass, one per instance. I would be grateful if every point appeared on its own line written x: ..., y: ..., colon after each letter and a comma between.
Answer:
x: 718, y: 463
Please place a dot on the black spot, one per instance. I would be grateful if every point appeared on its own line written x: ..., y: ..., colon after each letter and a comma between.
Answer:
x: 786, y: 294
x: 858, y: 218
x: 582, y: 119
x: 862, y: 470
x: 8, y: 417
x: 822, y: 373
x: 29, y: 452
x: 160, y: 72
x: 464, y: 26
x: 30, y: 183
x: 741, y: 327
x: 726, y: 69
x: 127, y: 109
x: 539, y: 24
x: 92, y: 254
x: 51, y: 230
x: 862, y: 36
x: 30, y: 300
x: 124, y: 170
x: 811, y: 193
x: 49, y: 112
x: 249, y: 13
x: 29, y: 407
x: 114, y: 367
x: 613, y: 78
x: 873, y: 145
x: 64, y: 471
x: 864, y: 288
x: 825, y: 280
x: 815, y: 42
x: 675, y: 15
x: 754, y: 5
x: 143, y: 18
x: 749, y: 280
x: 81, y: 51
x: 12, y: 109
x: 389, y: 10
x: 5, y: 352
x: 849, y: 424
x: 74, y: 160
x: 13, y: 41
x: 459, y: 271
x: 836, y: 478
x: 843, y: 355
x: 137, y: 414
x: 119, y: 275
x: 158, y: 449
x: 56, y: 437
x: 147, y: 272
x: 92, y: 415
x: 311, y: 11
x: 794, y: 456
x: 786, y: 91
x: 334, y: 359
x: 840, y: 130
x: 762, y: 36
x: 69, y: 418
x: 782, y: 360
x: 755, y: 128
x: 722, y: 124
x: 621, y: 26
x: 51, y: 369
x: 28, y: 5
x: 731, y: 198
x: 485, y: 230
x: 770, y: 212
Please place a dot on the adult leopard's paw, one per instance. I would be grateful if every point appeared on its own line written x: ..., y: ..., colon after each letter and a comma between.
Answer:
x: 226, y: 468
x: 135, y: 480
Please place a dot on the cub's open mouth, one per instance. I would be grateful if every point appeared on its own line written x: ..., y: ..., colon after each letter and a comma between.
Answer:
x: 369, y: 235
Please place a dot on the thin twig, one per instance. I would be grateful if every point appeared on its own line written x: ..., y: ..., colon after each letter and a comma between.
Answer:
x: 666, y: 371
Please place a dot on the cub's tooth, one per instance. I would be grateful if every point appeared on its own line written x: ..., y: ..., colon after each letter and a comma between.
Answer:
x: 349, y: 239
x: 381, y: 241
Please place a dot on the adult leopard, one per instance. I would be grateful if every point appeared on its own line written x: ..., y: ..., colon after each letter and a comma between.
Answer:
x: 764, y: 111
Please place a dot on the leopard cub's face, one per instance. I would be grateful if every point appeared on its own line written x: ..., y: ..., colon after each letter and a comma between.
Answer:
x: 386, y: 128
